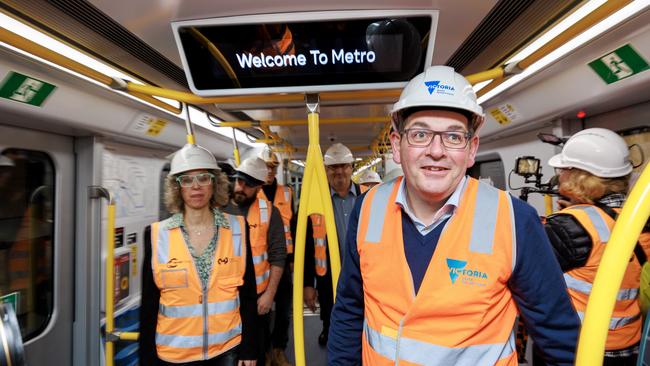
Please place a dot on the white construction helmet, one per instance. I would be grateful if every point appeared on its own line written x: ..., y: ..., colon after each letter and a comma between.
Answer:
x: 254, y: 168
x: 269, y: 156
x: 369, y: 176
x: 338, y: 154
x: 192, y: 157
x: 599, y: 151
x: 438, y: 87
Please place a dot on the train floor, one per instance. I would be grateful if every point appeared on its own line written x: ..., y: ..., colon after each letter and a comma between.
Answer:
x: 315, y: 354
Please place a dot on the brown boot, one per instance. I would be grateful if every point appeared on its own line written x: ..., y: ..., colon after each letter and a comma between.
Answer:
x: 279, y: 358
x: 268, y: 359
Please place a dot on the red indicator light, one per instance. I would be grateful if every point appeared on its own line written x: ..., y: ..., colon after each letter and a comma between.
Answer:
x: 581, y: 114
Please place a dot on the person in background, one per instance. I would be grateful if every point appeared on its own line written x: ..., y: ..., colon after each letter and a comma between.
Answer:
x: 368, y: 179
x: 338, y: 161
x: 594, y: 171
x: 198, y: 286
x: 438, y: 265
x: 282, y: 198
x: 267, y: 242
x: 392, y: 174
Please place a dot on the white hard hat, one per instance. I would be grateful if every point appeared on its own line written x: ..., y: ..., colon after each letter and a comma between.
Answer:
x: 254, y: 168
x: 439, y: 87
x: 369, y: 176
x: 599, y: 151
x: 393, y: 173
x: 338, y: 154
x: 269, y: 156
x: 192, y: 157
x: 6, y: 161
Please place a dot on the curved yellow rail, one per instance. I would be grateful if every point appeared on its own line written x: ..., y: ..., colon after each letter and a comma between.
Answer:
x: 618, y: 250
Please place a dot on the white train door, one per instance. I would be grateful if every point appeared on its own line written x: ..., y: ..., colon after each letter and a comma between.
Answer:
x: 37, y: 241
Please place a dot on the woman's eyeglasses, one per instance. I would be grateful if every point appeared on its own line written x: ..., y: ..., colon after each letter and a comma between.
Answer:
x: 203, y: 179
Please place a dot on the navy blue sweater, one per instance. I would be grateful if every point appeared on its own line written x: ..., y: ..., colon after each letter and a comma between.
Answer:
x: 536, y: 283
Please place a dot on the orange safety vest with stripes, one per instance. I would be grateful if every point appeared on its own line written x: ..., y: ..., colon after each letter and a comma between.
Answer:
x: 283, y: 202
x: 320, y: 243
x: 625, y: 324
x: 196, y: 323
x: 258, y: 218
x: 463, y: 313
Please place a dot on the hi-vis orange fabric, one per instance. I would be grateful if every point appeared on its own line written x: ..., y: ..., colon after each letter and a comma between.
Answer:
x: 259, y: 216
x: 626, y: 322
x: 196, y: 323
x: 464, y: 312
x: 283, y: 201
x: 320, y: 244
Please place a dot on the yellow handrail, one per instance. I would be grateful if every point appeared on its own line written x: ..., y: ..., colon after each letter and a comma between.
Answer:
x: 110, y: 281
x: 314, y: 199
x: 611, y: 270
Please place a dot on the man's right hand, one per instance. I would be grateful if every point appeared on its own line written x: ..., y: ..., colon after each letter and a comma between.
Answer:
x: 310, y: 296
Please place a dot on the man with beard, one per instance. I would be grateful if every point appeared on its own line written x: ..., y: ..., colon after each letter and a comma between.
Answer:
x: 338, y: 161
x: 265, y: 235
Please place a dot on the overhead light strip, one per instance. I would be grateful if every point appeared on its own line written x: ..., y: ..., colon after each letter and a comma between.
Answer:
x: 598, y: 29
x: 32, y: 34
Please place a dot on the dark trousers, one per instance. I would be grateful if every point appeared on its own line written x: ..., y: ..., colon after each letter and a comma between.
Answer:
x: 228, y: 358
x: 264, y: 321
x: 325, y: 298
x: 282, y: 319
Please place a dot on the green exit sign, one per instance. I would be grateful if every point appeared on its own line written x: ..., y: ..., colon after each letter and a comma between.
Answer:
x: 619, y: 64
x: 13, y: 299
x: 25, y: 89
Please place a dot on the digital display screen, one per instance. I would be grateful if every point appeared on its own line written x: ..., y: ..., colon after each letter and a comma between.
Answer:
x: 227, y: 59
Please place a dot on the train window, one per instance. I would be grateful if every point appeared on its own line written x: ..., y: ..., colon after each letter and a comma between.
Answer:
x: 162, y: 209
x: 379, y: 52
x: 489, y: 169
x: 26, y: 237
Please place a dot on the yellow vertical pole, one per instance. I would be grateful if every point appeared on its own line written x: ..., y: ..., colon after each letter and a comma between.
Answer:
x: 548, y: 204
x: 235, y: 148
x: 619, y: 248
x: 314, y: 199
x: 110, y: 282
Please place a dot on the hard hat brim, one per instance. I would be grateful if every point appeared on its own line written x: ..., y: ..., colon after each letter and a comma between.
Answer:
x: 250, y: 181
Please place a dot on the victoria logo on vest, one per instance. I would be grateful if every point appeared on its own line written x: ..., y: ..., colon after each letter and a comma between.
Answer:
x: 467, y: 276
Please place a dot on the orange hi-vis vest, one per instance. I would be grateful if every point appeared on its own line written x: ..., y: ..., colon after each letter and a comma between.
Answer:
x: 320, y: 243
x: 196, y: 323
x: 625, y: 324
x: 283, y: 202
x: 463, y: 313
x: 258, y: 218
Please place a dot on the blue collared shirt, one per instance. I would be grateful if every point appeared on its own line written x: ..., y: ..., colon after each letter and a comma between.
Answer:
x: 343, y: 207
x: 443, y: 213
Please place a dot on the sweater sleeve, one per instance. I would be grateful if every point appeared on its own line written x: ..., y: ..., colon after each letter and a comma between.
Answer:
x: 251, y: 336
x: 150, y: 299
x: 344, y: 344
x: 276, y: 242
x: 538, y: 288
x: 310, y: 270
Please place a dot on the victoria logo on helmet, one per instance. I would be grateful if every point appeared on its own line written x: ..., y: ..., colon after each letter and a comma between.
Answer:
x: 438, y: 88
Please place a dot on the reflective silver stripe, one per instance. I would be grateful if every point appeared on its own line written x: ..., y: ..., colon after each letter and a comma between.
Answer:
x: 264, y: 210
x: 257, y: 259
x: 514, y: 231
x: 378, y: 208
x: 614, y: 323
x: 287, y: 194
x: 598, y: 222
x: 287, y: 229
x: 261, y: 278
x: 162, y: 244
x: 177, y: 341
x: 236, y: 235
x: 585, y: 288
x: 321, y: 262
x: 197, y: 310
x: 423, y: 353
x: 320, y: 242
x: 485, y: 219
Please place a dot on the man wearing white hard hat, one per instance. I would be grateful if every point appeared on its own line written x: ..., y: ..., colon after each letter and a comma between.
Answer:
x: 184, y: 273
x: 265, y: 235
x: 439, y: 265
x: 282, y: 198
x: 593, y: 172
x: 338, y: 160
x: 369, y: 178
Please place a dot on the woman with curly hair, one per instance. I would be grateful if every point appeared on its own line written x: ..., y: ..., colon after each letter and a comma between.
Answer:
x: 594, y: 170
x: 198, y: 285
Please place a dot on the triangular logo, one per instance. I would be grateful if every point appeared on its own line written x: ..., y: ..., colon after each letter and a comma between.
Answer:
x: 454, y: 265
x: 432, y: 85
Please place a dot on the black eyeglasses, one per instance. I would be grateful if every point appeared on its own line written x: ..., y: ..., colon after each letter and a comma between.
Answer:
x: 202, y: 179
x: 421, y: 137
